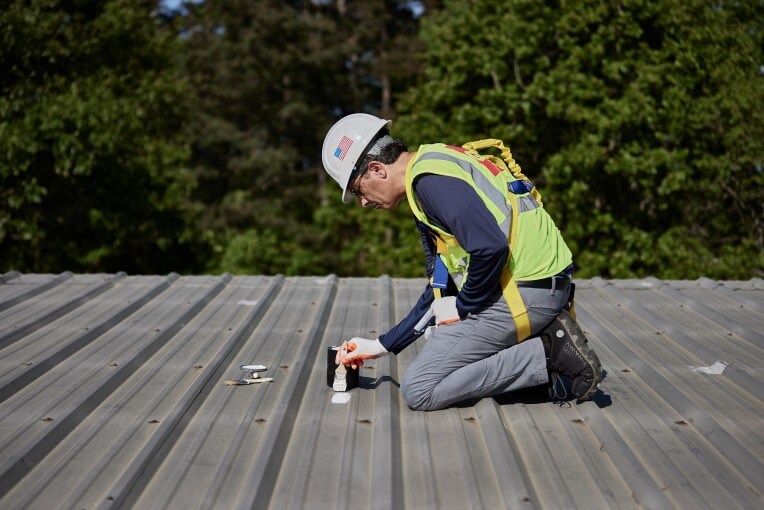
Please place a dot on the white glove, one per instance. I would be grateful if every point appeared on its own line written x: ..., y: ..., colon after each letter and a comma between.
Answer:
x: 445, y: 310
x: 356, y: 350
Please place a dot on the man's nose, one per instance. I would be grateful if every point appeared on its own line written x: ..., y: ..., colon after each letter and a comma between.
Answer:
x: 363, y: 201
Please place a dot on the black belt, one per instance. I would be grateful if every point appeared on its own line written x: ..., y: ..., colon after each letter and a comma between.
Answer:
x: 553, y: 282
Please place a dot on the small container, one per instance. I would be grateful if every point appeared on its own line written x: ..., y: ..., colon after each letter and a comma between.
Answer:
x: 351, y: 377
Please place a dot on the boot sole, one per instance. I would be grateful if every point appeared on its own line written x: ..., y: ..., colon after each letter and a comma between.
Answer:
x: 582, y: 345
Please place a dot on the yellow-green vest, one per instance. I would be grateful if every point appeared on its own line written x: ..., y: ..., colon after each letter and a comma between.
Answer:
x: 537, y: 249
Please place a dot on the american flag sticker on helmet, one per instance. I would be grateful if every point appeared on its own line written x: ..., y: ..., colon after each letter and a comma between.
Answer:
x: 342, y: 148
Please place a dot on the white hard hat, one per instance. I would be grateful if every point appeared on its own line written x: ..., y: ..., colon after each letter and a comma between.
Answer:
x: 345, y: 143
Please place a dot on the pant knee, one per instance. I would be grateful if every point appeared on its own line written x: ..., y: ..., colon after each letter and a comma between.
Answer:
x: 416, y: 396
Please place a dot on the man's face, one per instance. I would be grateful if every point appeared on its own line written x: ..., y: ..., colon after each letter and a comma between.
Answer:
x: 373, y: 188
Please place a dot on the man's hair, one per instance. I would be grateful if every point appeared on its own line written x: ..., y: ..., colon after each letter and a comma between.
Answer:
x: 387, y: 154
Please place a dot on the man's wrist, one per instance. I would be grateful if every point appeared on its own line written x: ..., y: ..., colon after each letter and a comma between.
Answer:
x: 382, y: 347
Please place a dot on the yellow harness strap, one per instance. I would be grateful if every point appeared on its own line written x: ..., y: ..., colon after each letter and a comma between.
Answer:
x: 508, y: 285
x: 506, y: 155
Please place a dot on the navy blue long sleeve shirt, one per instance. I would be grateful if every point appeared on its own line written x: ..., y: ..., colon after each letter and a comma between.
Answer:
x: 453, y: 205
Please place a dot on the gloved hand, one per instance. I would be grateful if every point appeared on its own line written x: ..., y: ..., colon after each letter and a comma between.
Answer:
x: 445, y: 310
x: 358, y: 350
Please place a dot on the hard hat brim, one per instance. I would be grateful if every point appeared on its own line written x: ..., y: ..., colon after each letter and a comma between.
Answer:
x: 347, y: 196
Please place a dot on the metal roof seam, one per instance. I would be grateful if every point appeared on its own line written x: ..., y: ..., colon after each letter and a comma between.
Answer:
x: 723, y: 442
x: 34, y: 291
x: 22, y: 330
x: 387, y: 470
x: 137, y: 476
x: 41, y: 367
x: 41, y: 447
x: 117, y: 401
x: 265, y: 472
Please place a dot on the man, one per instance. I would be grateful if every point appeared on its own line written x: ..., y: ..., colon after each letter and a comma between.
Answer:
x: 500, y: 272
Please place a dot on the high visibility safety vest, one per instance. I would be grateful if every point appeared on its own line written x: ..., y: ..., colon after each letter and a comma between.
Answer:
x: 536, y: 247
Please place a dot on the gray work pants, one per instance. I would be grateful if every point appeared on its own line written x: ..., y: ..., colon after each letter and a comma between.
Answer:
x: 479, y: 356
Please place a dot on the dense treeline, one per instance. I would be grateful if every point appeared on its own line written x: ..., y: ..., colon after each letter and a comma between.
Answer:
x: 91, y: 156
x: 137, y: 138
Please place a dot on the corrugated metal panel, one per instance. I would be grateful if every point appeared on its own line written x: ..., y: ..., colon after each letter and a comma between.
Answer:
x: 111, y: 395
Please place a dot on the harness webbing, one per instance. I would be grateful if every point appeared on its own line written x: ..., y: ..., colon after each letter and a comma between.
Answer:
x: 509, y: 288
x: 506, y: 155
x: 508, y: 285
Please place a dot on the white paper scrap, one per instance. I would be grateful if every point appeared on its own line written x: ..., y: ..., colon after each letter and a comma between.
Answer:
x: 340, y: 398
x: 715, y: 369
x: 247, y: 303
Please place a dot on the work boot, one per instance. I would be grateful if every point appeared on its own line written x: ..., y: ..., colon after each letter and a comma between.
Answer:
x: 568, y: 353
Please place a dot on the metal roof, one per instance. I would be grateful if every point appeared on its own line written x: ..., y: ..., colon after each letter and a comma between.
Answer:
x: 112, y: 395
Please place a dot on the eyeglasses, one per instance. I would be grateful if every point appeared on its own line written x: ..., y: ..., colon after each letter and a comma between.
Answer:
x: 356, y: 189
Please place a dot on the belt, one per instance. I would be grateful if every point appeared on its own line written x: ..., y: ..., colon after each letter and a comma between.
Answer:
x: 553, y: 282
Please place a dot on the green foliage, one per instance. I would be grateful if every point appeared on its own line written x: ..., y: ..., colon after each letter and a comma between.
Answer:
x: 270, y: 77
x: 254, y: 252
x: 129, y: 141
x: 641, y: 121
x: 368, y: 242
x: 90, y: 152
x: 352, y: 242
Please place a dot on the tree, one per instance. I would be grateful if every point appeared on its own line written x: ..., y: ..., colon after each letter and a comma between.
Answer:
x: 641, y: 121
x: 91, y: 155
x: 269, y: 78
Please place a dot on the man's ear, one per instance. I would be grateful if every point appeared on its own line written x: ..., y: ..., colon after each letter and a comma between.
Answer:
x: 378, y: 168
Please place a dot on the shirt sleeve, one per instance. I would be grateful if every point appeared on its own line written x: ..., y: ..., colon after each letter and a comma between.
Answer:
x: 403, y: 333
x: 455, y: 207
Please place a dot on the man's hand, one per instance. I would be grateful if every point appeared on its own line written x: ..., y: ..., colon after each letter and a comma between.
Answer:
x: 445, y: 310
x: 358, y: 350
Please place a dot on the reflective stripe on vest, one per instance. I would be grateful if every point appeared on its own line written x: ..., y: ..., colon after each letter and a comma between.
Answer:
x: 498, y: 199
x: 505, y: 205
